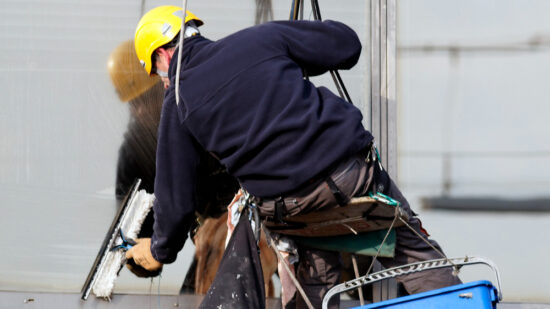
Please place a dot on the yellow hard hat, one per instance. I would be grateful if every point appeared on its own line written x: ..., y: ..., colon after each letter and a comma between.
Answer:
x: 157, y: 27
x: 127, y: 75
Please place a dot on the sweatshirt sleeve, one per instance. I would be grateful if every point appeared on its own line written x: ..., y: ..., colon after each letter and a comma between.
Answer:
x: 177, y: 161
x: 320, y: 46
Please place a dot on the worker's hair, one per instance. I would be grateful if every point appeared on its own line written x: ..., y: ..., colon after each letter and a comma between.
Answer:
x: 172, y: 43
x: 175, y: 41
x: 169, y: 45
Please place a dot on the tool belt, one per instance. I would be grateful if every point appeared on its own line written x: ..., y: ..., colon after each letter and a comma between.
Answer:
x: 325, y: 206
x: 362, y: 214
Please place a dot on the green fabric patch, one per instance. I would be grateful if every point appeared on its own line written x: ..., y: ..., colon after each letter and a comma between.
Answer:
x: 363, y: 243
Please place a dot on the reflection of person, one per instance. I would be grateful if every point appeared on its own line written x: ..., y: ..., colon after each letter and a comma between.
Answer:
x: 137, y: 153
x: 294, y: 146
x: 136, y: 158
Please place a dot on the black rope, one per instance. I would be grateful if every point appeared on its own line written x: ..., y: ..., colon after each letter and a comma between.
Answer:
x: 295, y: 9
x: 338, y: 82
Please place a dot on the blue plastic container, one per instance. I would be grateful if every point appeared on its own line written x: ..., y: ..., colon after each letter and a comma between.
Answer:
x: 478, y: 294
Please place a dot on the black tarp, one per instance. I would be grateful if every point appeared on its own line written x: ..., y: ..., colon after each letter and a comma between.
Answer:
x: 239, y: 281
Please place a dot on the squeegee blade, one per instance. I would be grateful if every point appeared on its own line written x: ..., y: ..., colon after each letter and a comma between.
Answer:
x: 110, y: 238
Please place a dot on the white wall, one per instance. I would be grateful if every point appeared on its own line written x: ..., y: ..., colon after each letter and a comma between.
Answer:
x: 487, y: 106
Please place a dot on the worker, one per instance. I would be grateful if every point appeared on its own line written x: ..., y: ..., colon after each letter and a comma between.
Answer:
x: 294, y: 146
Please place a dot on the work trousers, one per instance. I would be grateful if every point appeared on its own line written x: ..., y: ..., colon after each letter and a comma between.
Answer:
x: 318, y: 270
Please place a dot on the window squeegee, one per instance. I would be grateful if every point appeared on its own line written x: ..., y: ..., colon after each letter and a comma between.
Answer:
x: 111, y: 257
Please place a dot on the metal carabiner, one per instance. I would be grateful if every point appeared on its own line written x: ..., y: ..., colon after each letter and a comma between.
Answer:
x: 380, y: 197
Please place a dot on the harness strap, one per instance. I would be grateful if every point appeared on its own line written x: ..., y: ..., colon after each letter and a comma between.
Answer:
x: 279, y: 209
x: 338, y: 195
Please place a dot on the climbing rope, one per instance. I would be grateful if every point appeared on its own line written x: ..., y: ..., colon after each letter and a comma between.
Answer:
x: 382, y: 244
x: 180, y: 49
x: 378, y: 196
x: 297, y: 12
x: 356, y: 271
x: 334, y: 73
x: 290, y: 273
x: 455, y: 267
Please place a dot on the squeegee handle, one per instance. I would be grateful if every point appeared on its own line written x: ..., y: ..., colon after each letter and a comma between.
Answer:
x: 126, y: 244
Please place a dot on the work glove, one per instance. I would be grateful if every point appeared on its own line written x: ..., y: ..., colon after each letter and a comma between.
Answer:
x: 140, y: 271
x: 142, y: 256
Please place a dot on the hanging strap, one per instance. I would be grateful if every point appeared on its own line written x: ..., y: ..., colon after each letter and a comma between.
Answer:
x: 180, y: 49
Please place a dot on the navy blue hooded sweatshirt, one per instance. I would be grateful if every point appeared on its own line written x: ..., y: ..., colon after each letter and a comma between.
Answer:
x: 243, y: 98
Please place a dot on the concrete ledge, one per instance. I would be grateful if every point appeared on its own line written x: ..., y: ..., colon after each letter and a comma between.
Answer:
x: 39, y: 300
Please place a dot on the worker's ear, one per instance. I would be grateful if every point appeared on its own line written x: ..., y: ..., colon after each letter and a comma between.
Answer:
x: 163, y: 56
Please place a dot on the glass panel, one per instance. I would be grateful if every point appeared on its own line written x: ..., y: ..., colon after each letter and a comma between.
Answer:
x: 62, y: 125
